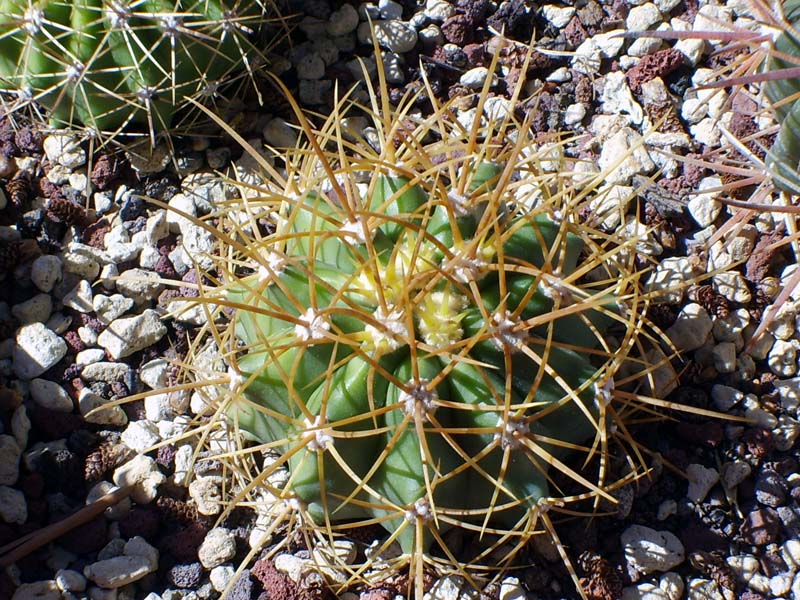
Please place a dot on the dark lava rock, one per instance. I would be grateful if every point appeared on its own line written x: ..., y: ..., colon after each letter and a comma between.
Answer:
x: 141, y: 521
x: 771, y: 489
x: 277, y: 584
x: 183, y: 544
x: 185, y: 576
x: 243, y: 588
x: 87, y: 538
x: 761, y: 527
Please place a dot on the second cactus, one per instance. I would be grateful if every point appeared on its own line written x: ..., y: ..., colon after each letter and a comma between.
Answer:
x: 422, y: 350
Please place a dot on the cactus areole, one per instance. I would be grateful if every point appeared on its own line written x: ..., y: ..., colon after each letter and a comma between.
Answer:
x: 110, y: 63
x: 422, y: 354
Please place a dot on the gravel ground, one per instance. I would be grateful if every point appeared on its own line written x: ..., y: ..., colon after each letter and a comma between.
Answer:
x: 83, y: 301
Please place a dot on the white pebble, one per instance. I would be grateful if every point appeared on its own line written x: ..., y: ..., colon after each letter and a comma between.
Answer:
x: 691, y: 328
x: 113, y: 573
x: 80, y: 297
x: 125, y: 336
x: 49, y: 394
x: 45, y: 272
x: 701, y: 480
x: 218, y: 547
x: 13, y: 508
x: 38, y: 348
x: 648, y: 550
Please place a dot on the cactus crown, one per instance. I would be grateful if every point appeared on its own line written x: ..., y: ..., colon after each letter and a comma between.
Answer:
x: 430, y: 337
x: 108, y: 64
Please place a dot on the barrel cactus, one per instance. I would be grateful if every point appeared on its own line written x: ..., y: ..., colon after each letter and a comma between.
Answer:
x: 783, y: 158
x: 424, y: 333
x: 116, y: 64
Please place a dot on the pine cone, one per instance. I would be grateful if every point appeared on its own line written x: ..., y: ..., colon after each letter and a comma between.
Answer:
x: 602, y: 582
x: 18, y: 191
x: 177, y: 510
x: 102, y: 460
x: 68, y: 212
x: 9, y: 256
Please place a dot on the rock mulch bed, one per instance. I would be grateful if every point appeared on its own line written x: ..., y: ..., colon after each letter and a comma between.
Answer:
x: 83, y: 304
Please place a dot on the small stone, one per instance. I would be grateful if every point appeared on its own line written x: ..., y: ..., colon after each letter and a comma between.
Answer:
x: 64, y: 150
x: 311, y: 66
x: 140, y: 284
x: 218, y: 547
x: 770, y: 489
x: 622, y: 156
x: 724, y: 357
x: 111, y: 307
x: 34, y: 310
x: 81, y: 265
x: 642, y: 18
x: 205, y: 491
x: 108, y: 372
x: 221, y: 576
x: 439, y: 11
x: 691, y: 328
x: 140, y: 436
x: 733, y: 473
x: 279, y: 133
x: 68, y: 580
x: 666, y: 509
x: 138, y: 546
x: 648, y: 550
x: 392, y: 35
x: 644, y: 591
x: 13, y: 508
x: 618, y: 99
x: 389, y: 9
x: 574, y: 114
x: 125, y: 336
x: 474, y: 78
x: 87, y: 357
x: 453, y: 587
x: 294, y: 567
x: 45, y: 272
x: 343, y: 21
x: 141, y: 472
x: 781, y: 584
x: 725, y: 397
x: 791, y: 554
x: 701, y: 480
x: 38, y: 590
x: 786, y: 433
x: 560, y: 16
x: 431, y: 36
x: 393, y: 68
x: 782, y: 358
x: 668, y: 279
x: 117, y: 572
x: 731, y: 327
x: 733, y: 286
x: 761, y: 527
x: 703, y: 589
x: 80, y: 297
x: 38, y: 348
x: 703, y: 207
x: 50, y: 395
x: 510, y: 589
x: 92, y: 407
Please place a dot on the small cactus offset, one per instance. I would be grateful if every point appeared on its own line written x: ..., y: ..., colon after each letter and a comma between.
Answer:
x: 429, y: 338
x: 113, y: 64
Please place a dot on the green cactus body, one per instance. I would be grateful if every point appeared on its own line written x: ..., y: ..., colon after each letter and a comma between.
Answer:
x: 411, y: 334
x: 110, y: 63
x: 783, y: 158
